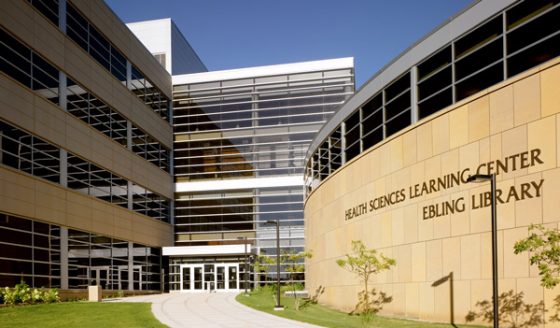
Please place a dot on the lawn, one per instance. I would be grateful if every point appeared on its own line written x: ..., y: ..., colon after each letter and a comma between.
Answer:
x: 263, y: 300
x: 79, y: 314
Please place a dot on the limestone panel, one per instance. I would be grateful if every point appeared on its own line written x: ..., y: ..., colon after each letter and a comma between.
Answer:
x: 539, y: 137
x: 550, y: 80
x: 527, y: 100
x: 458, y: 123
x: 479, y: 118
x: 501, y: 110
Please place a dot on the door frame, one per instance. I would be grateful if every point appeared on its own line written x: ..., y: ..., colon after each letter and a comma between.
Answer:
x: 205, y: 288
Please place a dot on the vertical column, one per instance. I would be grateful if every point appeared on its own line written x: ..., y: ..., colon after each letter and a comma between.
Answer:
x: 504, y: 45
x: 453, y: 91
x: 62, y: 99
x: 62, y: 90
x: 63, y: 258
x: 413, y: 95
x: 342, y: 143
x: 130, y: 266
x: 63, y: 162
x: 128, y: 74
x: 128, y: 134
x: 129, y: 195
x: 383, y: 113
x: 62, y: 15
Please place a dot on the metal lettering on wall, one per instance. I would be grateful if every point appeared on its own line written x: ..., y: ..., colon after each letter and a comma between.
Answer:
x: 507, y: 164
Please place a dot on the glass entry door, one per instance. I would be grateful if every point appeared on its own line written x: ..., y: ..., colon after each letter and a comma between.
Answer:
x: 209, y: 277
x: 192, y: 277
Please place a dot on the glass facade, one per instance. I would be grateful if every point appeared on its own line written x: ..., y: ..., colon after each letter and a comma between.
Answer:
x: 246, y: 130
x: 38, y: 252
x: 30, y: 154
x: 18, y: 61
x: 514, y: 40
x: 90, y: 39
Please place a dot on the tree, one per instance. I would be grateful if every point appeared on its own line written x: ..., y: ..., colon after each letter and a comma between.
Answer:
x: 544, y: 247
x: 294, y: 265
x: 364, y: 263
x: 262, y: 264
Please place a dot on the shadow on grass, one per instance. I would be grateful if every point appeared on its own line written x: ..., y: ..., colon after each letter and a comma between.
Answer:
x: 317, y: 314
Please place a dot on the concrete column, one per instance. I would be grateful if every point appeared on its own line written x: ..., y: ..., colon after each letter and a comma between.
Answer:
x: 62, y: 15
x: 128, y: 74
x: 130, y: 266
x: 63, y: 258
x: 129, y: 195
x: 63, y: 162
x: 62, y: 92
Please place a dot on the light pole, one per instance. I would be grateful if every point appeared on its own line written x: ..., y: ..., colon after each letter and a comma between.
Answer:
x: 492, y: 178
x: 278, y: 307
x: 245, y: 265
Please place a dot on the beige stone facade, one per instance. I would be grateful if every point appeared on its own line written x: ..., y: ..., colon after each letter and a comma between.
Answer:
x: 418, y: 209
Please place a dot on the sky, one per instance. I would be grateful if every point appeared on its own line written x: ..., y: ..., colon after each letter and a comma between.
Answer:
x: 228, y: 34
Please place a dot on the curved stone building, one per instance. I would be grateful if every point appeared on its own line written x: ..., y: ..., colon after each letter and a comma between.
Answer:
x: 480, y: 94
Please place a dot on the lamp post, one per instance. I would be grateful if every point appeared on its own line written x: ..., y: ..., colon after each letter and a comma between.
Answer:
x: 245, y: 265
x: 492, y: 178
x: 278, y: 307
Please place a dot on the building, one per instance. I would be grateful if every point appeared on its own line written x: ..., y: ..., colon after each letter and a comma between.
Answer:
x: 87, y: 133
x: 85, y: 183
x: 479, y: 94
x: 240, y: 142
x: 170, y: 47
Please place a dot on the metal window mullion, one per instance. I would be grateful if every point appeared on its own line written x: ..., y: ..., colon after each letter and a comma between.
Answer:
x: 342, y: 143
x: 414, y: 95
x: 384, y: 113
x: 453, y: 87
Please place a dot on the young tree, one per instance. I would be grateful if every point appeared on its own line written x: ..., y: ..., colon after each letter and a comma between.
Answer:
x: 543, y: 246
x: 262, y: 264
x: 364, y: 263
x: 293, y: 262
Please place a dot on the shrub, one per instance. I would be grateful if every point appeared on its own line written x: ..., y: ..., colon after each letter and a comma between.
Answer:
x: 23, y: 294
x: 51, y: 296
x: 36, y: 295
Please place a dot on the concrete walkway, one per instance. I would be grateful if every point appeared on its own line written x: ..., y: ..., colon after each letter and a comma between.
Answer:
x: 212, y: 310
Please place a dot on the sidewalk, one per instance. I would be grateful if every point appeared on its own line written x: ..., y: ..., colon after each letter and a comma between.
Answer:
x: 210, y: 310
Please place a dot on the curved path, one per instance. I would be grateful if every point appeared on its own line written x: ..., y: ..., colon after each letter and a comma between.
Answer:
x: 212, y: 310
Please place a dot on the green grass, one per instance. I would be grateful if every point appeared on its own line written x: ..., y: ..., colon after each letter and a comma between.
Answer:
x: 79, y: 314
x: 263, y: 300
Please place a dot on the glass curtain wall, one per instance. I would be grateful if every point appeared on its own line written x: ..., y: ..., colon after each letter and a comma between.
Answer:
x: 31, y: 251
x: 248, y: 129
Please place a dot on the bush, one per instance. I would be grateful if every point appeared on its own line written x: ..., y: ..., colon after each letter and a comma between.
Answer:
x: 51, y: 296
x: 36, y: 296
x: 1, y: 296
x: 23, y: 294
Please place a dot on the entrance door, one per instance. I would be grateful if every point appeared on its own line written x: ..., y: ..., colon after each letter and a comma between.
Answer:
x: 192, y: 277
x: 227, y: 277
x: 209, y: 277
x: 100, y: 276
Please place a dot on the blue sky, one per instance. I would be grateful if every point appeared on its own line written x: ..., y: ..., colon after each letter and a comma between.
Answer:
x: 229, y: 34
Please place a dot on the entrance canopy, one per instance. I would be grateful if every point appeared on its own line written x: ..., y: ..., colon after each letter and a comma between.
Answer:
x: 206, y: 250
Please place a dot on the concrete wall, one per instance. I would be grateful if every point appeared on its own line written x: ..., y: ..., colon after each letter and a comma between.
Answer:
x: 519, y: 116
